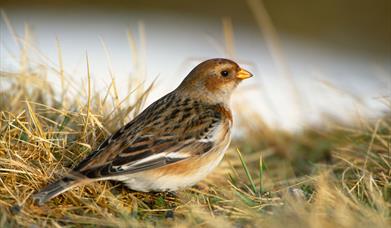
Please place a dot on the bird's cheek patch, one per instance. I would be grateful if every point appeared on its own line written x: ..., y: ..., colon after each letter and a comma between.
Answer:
x: 213, y: 84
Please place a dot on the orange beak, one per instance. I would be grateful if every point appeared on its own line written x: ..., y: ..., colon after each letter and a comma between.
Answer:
x: 243, y: 74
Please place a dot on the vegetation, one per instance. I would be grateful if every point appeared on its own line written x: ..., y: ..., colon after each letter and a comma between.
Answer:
x: 329, y: 176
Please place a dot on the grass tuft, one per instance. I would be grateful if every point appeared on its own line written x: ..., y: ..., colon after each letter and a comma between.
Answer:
x: 335, y: 176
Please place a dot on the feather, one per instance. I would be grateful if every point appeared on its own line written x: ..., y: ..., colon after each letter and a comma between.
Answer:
x: 134, y: 150
x: 182, y: 135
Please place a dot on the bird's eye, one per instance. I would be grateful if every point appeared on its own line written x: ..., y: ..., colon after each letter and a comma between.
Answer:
x: 224, y: 73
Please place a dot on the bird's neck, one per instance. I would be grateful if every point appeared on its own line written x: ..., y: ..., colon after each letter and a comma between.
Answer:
x: 207, y: 97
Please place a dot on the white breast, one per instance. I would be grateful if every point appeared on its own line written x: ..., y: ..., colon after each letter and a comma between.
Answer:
x: 145, y: 181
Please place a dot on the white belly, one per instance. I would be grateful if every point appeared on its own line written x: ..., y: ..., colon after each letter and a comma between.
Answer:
x: 146, y: 183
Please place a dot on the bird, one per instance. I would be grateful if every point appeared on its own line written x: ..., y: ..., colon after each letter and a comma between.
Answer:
x: 172, y: 144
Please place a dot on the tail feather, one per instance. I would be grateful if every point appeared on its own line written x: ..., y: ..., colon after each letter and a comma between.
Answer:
x: 53, y: 190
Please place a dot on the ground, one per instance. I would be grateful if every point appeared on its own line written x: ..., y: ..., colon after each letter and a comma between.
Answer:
x: 333, y: 175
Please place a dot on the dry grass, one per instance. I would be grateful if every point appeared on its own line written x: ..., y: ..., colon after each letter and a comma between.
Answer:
x: 339, y: 177
x: 321, y: 177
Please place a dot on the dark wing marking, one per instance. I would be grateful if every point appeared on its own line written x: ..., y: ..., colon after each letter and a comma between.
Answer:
x: 127, y: 133
x: 109, y: 170
x: 147, y: 160
x: 189, y: 131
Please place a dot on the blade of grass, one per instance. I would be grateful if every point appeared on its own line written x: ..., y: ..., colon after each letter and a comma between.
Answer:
x: 248, y: 174
x: 88, y: 98
x: 261, y: 169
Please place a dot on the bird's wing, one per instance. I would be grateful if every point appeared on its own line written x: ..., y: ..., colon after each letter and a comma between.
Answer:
x: 135, y: 158
x: 159, y: 136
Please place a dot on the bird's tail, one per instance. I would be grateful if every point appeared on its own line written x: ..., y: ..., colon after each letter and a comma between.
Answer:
x: 54, y: 189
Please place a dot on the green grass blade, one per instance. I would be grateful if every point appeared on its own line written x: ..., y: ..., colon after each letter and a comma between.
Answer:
x: 247, y: 171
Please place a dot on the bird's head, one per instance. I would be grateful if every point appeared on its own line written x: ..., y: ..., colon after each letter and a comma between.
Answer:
x: 213, y: 80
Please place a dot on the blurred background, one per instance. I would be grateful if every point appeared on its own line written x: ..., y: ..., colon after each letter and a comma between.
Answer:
x: 310, y: 59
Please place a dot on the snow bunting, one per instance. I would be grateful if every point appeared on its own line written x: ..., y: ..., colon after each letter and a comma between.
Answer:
x: 172, y: 144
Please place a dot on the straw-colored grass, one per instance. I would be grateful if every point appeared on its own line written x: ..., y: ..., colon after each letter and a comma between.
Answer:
x: 334, y: 177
